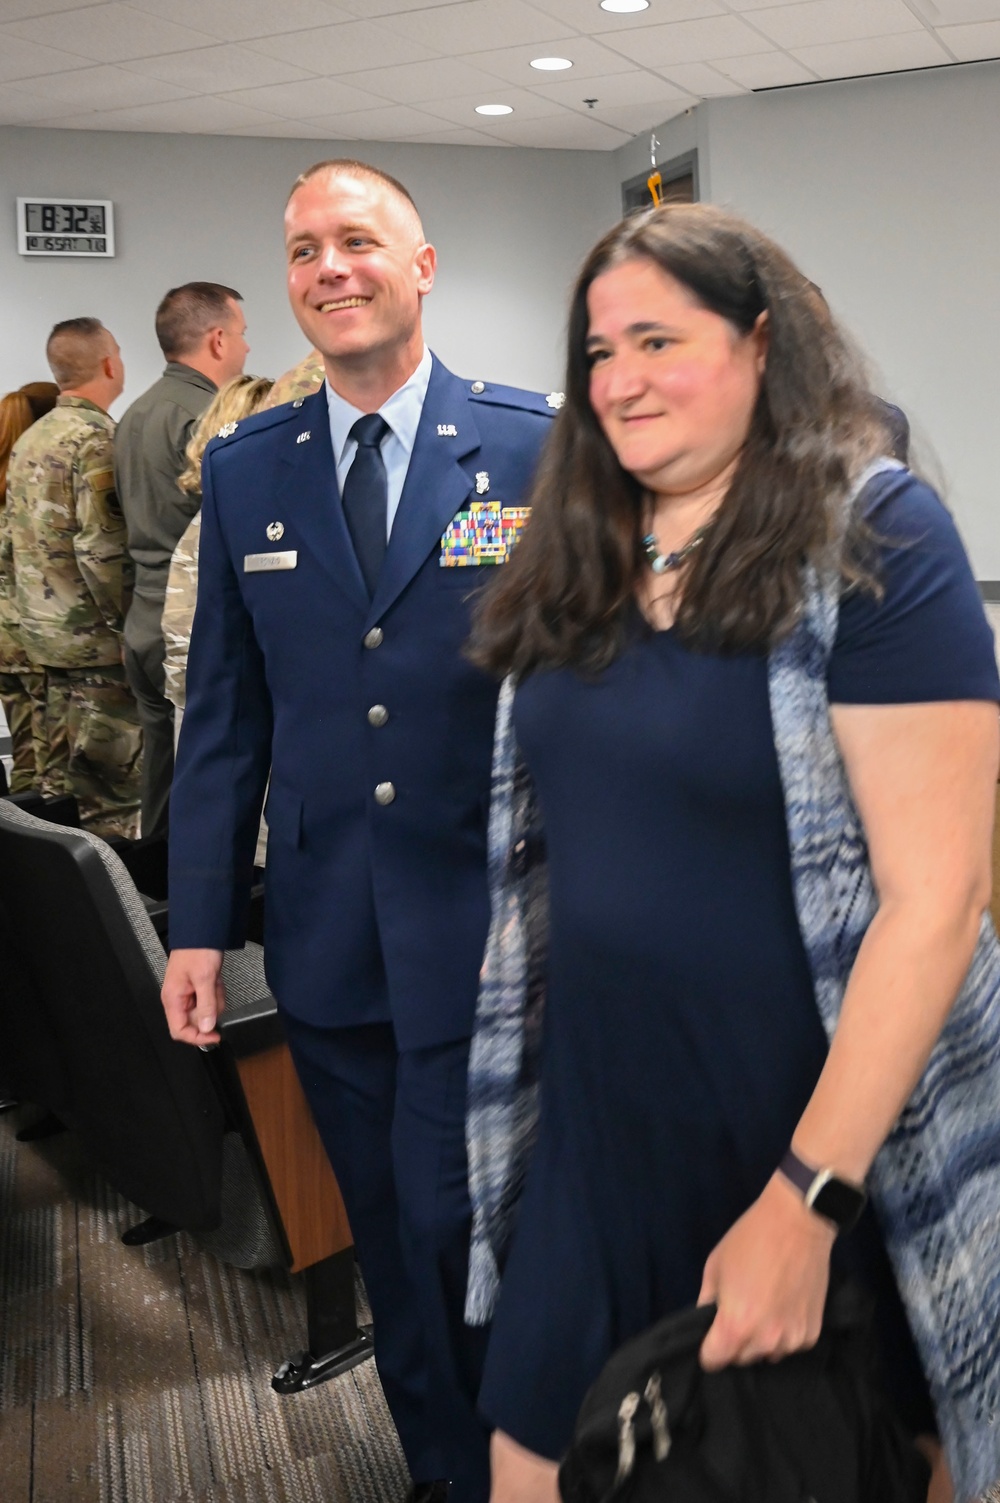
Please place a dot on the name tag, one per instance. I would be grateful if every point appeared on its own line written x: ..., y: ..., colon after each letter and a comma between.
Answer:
x: 265, y: 563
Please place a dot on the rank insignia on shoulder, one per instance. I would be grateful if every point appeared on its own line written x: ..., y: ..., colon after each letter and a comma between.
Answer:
x: 227, y: 430
x: 275, y: 531
x: 556, y: 399
x: 485, y: 533
x: 482, y: 483
x: 303, y: 437
x: 447, y: 430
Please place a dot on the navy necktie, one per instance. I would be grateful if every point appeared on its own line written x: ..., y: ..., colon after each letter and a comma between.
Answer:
x: 365, y: 497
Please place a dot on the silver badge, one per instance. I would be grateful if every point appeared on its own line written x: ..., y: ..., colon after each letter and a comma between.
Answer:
x: 556, y: 399
x: 303, y: 436
x: 227, y: 430
x: 482, y: 483
x: 298, y: 401
x: 265, y: 563
x: 275, y: 531
x: 477, y: 388
x: 447, y: 430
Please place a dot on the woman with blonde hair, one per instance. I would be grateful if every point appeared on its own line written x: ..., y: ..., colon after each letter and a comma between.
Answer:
x: 751, y: 704
x: 22, y: 691
x: 236, y: 400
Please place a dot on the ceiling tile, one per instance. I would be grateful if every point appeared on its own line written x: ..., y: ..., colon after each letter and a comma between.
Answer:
x: 461, y: 109
x: 22, y: 106
x: 345, y: 49
x: 309, y: 100
x: 389, y: 123
x: 590, y: 59
x: 751, y: 5
x: 195, y: 116
x: 764, y: 70
x: 371, y: 10
x: 419, y: 81
x: 635, y: 87
x: 295, y: 130
x: 106, y: 88
x: 563, y: 132
x: 820, y: 21
x: 876, y: 55
x: 689, y: 41
x: 587, y: 16
x: 108, y: 33
x: 219, y: 70
x: 20, y: 10
x: 28, y: 60
x: 949, y: 12
x: 239, y: 20
x: 477, y: 25
x: 639, y: 118
x: 701, y: 80
x: 971, y: 42
x: 457, y: 135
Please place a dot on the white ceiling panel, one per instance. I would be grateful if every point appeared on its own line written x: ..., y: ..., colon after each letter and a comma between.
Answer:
x: 296, y: 130
x: 312, y: 99
x: 457, y: 135
x: 477, y: 25
x: 635, y: 87
x: 238, y: 20
x: 419, y: 81
x: 564, y: 132
x: 197, y: 116
x: 19, y: 106
x: 878, y: 55
x: 765, y: 70
x: 28, y: 60
x: 948, y: 12
x: 588, y: 17
x: 21, y: 10
x: 702, y: 80
x: 970, y: 42
x: 461, y: 110
x: 634, y: 118
x: 690, y: 41
x: 371, y: 10
x: 219, y: 70
x: 391, y: 122
x: 589, y: 57
x: 345, y: 49
x: 818, y: 21
x: 108, y: 33
x: 105, y: 88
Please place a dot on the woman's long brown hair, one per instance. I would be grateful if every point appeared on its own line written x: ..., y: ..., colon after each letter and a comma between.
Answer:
x: 567, y: 594
x: 18, y: 410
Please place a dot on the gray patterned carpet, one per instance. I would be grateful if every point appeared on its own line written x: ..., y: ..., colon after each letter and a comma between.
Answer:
x: 142, y: 1375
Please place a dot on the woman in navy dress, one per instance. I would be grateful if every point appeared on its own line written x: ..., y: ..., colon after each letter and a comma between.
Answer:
x: 715, y: 424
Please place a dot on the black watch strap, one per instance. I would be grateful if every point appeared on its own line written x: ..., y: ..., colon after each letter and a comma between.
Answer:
x: 837, y: 1200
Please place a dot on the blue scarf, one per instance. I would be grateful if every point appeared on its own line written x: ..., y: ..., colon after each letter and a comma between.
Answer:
x: 935, y: 1182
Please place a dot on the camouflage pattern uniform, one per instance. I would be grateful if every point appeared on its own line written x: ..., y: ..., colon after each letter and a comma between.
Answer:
x: 301, y: 381
x: 22, y: 686
x: 73, y: 582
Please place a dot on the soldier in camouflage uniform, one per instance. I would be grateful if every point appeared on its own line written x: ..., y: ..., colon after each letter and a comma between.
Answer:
x: 301, y: 381
x: 73, y: 581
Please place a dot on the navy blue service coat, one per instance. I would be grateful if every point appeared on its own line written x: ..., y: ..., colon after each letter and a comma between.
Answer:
x: 375, y: 911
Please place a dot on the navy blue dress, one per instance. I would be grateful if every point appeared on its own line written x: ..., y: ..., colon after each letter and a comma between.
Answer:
x: 682, y: 1040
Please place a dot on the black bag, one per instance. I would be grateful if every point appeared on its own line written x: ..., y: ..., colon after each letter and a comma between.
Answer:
x: 812, y: 1428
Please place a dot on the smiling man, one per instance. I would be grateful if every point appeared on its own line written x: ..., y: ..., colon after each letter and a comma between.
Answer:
x: 344, y: 536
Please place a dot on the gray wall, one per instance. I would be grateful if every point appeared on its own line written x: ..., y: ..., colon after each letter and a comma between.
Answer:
x: 885, y: 192
x: 510, y: 227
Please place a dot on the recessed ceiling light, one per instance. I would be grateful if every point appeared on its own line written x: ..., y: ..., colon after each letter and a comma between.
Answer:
x: 494, y: 109
x: 551, y: 64
x: 624, y: 6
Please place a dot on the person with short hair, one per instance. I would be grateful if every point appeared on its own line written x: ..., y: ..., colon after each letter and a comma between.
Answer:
x: 22, y: 686
x: 73, y: 581
x: 200, y: 328
x: 343, y: 535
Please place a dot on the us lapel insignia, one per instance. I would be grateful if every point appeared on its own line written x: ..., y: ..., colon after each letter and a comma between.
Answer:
x: 227, y: 430
x: 447, y: 430
x: 482, y: 483
x: 275, y: 531
x: 303, y: 436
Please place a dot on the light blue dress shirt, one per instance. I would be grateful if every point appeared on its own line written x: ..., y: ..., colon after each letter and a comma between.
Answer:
x: 402, y: 413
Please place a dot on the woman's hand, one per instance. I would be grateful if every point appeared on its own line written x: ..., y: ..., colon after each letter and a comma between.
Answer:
x: 768, y: 1276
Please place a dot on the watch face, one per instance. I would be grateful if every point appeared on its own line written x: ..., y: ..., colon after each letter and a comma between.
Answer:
x: 840, y: 1203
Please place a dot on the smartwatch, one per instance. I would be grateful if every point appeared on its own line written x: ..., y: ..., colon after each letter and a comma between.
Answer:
x: 837, y: 1200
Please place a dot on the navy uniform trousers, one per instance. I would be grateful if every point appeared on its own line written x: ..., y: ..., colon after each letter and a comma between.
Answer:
x: 377, y: 906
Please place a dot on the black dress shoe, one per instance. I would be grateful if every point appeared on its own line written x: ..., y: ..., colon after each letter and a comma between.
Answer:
x: 428, y: 1492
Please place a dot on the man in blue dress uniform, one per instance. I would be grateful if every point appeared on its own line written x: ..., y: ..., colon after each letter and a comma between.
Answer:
x: 342, y: 538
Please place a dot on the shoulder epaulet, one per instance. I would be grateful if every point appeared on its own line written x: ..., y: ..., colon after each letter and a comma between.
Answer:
x: 258, y: 422
x: 547, y: 404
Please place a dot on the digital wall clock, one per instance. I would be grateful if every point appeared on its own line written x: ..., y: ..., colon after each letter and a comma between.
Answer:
x: 65, y: 227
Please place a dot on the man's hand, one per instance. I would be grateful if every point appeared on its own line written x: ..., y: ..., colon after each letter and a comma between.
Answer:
x: 193, y: 995
x: 768, y: 1276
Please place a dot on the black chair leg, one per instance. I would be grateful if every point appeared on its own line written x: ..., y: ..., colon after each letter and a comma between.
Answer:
x: 336, y: 1341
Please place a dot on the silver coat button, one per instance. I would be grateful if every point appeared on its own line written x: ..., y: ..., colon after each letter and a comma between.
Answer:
x: 384, y: 793
x: 477, y: 388
x: 378, y: 715
x: 373, y: 638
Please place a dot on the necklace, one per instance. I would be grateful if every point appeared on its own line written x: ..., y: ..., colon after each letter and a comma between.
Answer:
x: 661, y: 562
